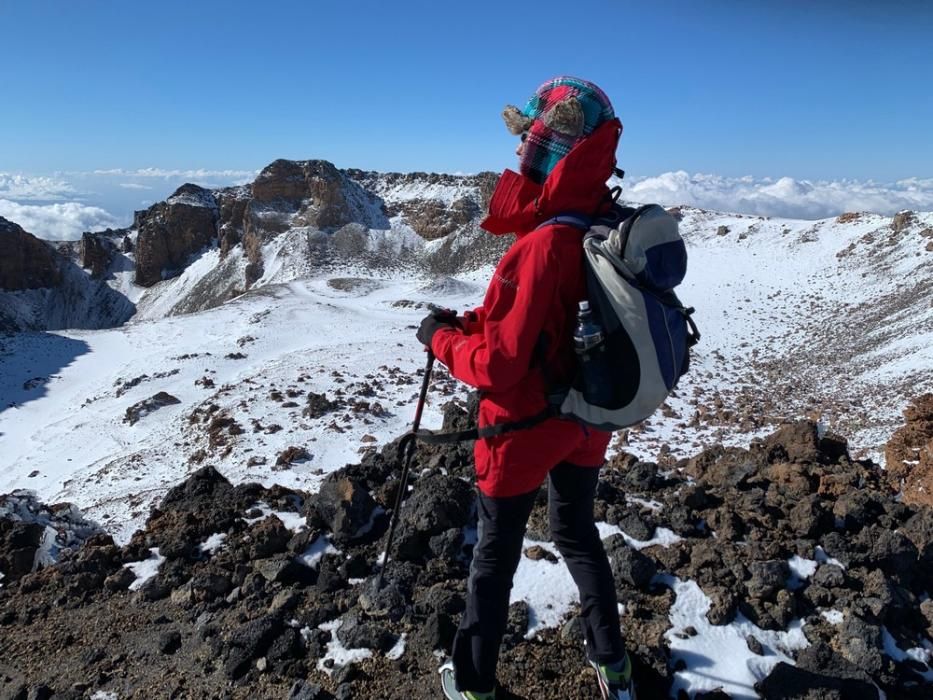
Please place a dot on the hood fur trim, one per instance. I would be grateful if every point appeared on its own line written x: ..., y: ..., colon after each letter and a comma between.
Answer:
x: 516, y: 122
x: 565, y: 117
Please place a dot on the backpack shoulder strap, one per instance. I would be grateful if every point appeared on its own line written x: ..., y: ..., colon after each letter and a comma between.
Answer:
x: 569, y: 219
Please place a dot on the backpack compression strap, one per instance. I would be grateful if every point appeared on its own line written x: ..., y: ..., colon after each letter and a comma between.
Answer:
x: 431, y: 438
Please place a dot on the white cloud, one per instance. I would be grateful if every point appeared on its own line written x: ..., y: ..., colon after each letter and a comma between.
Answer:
x: 134, y: 186
x: 64, y: 221
x: 16, y: 186
x: 175, y: 174
x: 785, y: 197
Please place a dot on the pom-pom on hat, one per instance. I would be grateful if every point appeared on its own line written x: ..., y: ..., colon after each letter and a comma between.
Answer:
x: 560, y: 114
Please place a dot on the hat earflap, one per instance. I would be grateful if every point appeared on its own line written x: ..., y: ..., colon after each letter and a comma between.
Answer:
x: 565, y: 117
x: 516, y: 122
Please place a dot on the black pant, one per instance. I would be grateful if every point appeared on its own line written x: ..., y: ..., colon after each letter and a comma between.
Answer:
x: 495, y: 558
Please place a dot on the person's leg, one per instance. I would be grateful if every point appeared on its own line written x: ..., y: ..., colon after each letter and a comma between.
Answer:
x: 501, y: 529
x: 571, y: 490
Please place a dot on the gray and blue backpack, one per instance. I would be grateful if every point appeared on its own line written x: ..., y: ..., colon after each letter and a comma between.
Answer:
x: 634, y: 259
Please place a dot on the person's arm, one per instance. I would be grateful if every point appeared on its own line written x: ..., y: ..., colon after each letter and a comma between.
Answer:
x: 473, y: 321
x: 517, y: 303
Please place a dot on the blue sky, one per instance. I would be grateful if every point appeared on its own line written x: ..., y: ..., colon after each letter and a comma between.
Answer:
x: 809, y: 90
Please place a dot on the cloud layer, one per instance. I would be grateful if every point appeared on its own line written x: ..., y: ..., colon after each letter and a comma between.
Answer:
x: 785, y: 197
x: 27, y: 187
x: 63, y: 221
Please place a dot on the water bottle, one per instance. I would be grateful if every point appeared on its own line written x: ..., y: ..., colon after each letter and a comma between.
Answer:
x: 589, y: 342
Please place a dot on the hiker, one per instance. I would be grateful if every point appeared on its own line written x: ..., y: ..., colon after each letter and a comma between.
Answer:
x: 510, y: 349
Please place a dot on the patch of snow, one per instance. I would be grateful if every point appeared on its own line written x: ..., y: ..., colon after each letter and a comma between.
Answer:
x: 145, y: 569
x: 823, y: 558
x: 213, y: 543
x: 833, y: 617
x: 312, y: 556
x: 337, y: 652
x: 662, y: 536
x: 292, y: 521
x: 800, y: 570
x: 644, y: 503
x: 922, y: 654
x: 718, y: 655
x: 546, y: 587
x: 397, y: 650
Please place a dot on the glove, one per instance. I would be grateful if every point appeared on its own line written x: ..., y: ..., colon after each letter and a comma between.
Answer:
x: 433, y: 322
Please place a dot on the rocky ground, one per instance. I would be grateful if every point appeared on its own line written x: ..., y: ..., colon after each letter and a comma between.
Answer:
x: 257, y: 590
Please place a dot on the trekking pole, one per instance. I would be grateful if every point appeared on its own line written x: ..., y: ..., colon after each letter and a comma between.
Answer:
x: 406, y: 451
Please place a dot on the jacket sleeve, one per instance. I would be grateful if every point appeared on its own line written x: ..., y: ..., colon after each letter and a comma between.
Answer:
x: 517, y: 302
x: 473, y: 321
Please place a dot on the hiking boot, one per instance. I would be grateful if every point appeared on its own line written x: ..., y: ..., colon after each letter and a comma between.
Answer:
x: 615, y: 680
x: 449, y: 686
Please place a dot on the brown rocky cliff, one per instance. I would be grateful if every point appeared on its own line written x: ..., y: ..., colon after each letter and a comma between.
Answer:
x: 909, y: 453
x: 173, y: 230
x: 25, y: 261
x: 96, y: 254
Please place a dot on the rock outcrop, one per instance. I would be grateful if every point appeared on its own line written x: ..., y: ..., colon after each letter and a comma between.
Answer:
x: 909, y: 454
x: 170, y: 232
x: 96, y: 254
x: 25, y: 261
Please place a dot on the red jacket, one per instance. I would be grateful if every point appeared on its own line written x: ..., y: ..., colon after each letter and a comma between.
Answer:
x: 533, y: 293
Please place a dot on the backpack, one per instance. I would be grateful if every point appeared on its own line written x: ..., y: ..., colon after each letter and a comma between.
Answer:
x: 633, y: 258
x: 633, y: 261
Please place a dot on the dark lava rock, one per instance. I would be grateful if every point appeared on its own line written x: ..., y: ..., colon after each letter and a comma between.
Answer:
x: 786, y: 682
x: 18, y: 544
x: 768, y: 577
x: 437, y: 632
x: 249, y: 642
x: 629, y: 566
x: 437, y: 504
x: 357, y: 632
x: 143, y: 408
x: 268, y: 537
x: 170, y: 642
x: 319, y: 405
x: 346, y: 507
x: 303, y: 690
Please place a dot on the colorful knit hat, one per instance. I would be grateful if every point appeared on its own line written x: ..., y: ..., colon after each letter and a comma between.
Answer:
x: 561, y: 113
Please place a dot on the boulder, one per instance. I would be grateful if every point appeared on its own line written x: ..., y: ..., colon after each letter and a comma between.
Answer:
x: 346, y: 507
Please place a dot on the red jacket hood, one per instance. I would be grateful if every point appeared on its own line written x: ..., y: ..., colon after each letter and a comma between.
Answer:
x: 577, y: 184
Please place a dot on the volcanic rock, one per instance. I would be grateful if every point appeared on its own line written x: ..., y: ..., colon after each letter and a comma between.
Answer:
x: 25, y: 261
x: 172, y: 231
x: 909, y: 453
x: 346, y: 506
x: 96, y: 254
x: 143, y: 408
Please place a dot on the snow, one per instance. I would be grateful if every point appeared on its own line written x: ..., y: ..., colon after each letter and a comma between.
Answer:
x: 291, y: 520
x: 214, y: 543
x: 801, y: 569
x: 312, y: 556
x: 923, y: 654
x: 823, y: 558
x: 397, y: 649
x: 337, y: 652
x: 145, y: 569
x: 662, y: 536
x: 718, y: 655
x: 833, y: 617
